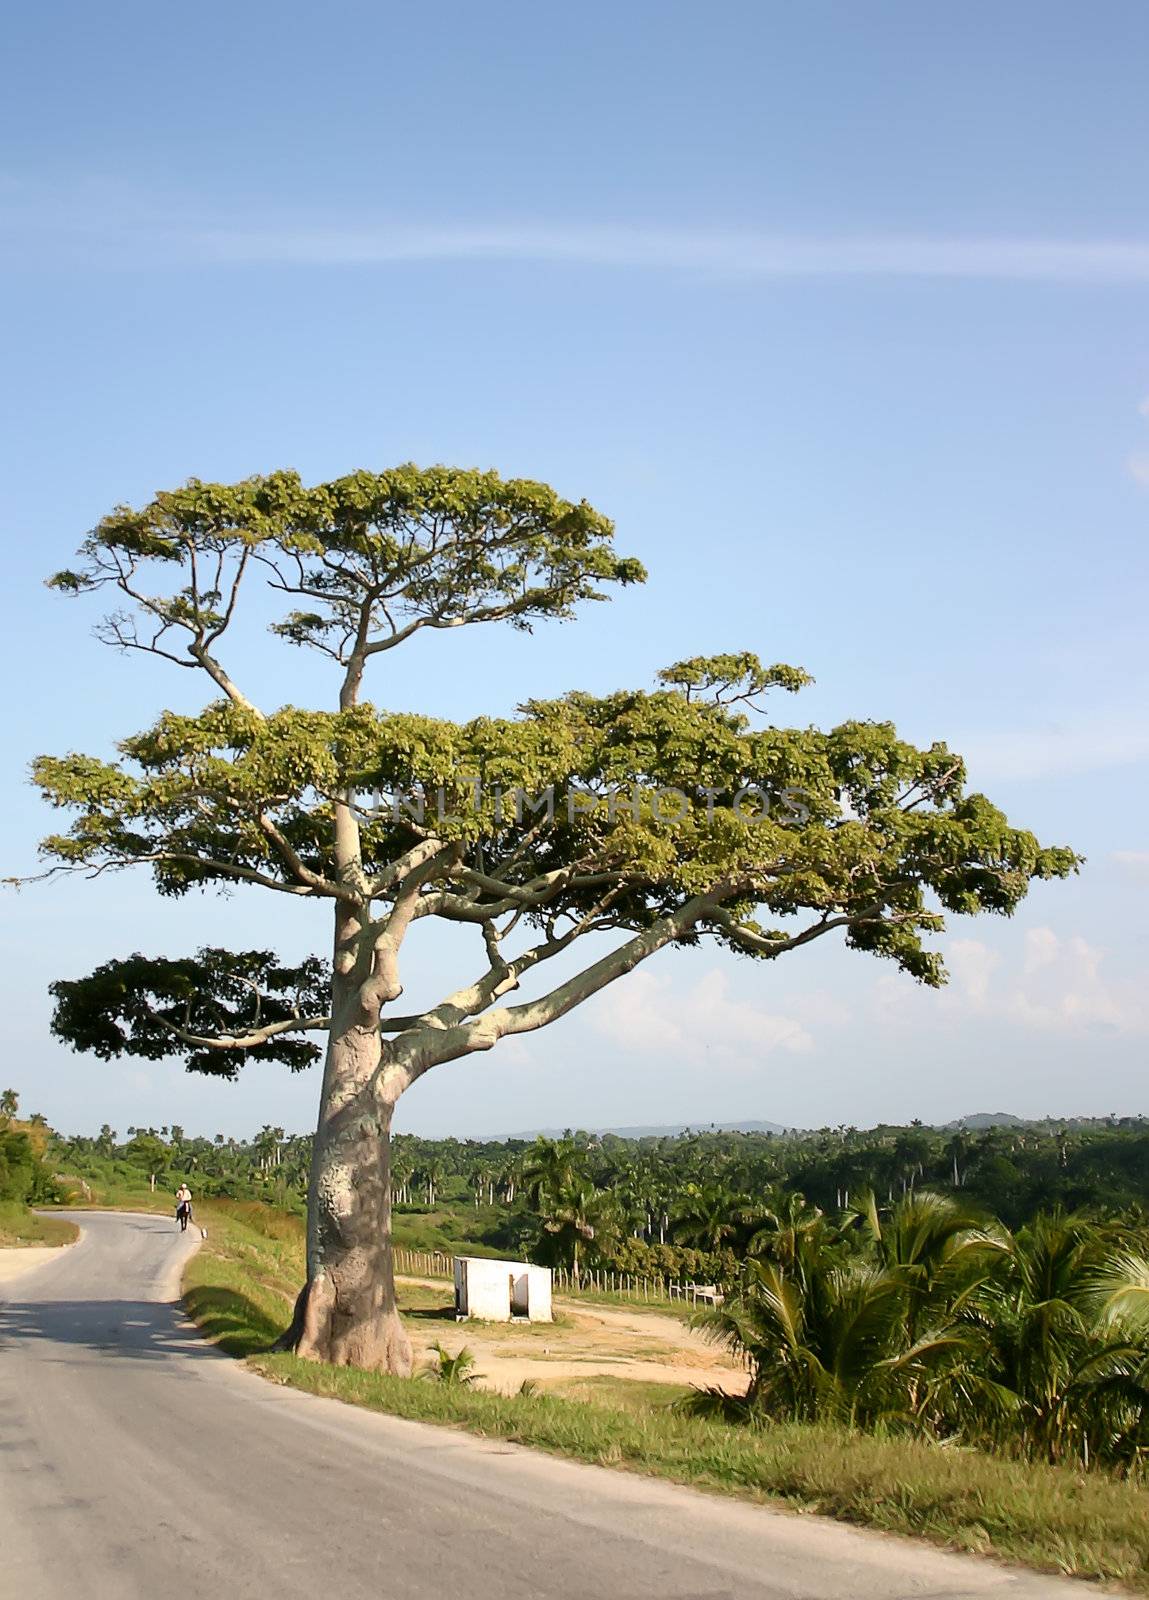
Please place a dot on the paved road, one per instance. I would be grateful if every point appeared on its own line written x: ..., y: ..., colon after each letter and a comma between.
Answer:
x: 136, y: 1462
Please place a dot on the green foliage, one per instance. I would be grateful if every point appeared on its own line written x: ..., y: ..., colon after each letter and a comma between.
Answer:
x: 154, y: 1008
x: 705, y: 1217
x: 1095, y: 1165
x: 577, y: 1220
x: 456, y: 1370
x: 27, y: 1179
x: 229, y: 796
x: 1035, y: 1344
x: 732, y: 679
x: 675, y: 1262
x: 25, y: 1176
x: 851, y: 830
x: 450, y: 541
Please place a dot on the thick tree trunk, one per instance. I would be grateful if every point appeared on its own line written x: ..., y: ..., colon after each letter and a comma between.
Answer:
x: 346, y: 1313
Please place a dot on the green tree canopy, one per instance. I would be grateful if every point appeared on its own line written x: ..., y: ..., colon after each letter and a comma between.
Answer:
x: 656, y: 816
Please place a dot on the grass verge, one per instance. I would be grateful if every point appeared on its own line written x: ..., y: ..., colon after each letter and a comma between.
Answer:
x: 239, y: 1289
x: 21, y: 1228
x: 621, y: 1394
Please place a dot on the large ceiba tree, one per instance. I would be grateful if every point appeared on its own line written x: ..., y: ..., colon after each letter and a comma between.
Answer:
x: 643, y: 818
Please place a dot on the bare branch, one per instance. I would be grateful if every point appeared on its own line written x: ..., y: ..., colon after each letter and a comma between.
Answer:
x: 426, y: 1046
x: 228, y: 869
x: 303, y: 873
x: 759, y: 945
x: 242, y: 1041
x: 383, y: 985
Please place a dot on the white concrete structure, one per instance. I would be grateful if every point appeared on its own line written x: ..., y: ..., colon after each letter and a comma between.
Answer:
x: 496, y: 1291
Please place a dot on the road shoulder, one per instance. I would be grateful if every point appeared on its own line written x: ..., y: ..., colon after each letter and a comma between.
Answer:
x: 21, y: 1259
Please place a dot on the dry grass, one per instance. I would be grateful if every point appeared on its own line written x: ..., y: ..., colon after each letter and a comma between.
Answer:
x: 21, y: 1228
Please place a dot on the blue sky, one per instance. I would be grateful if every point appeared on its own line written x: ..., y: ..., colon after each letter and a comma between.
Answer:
x: 841, y: 312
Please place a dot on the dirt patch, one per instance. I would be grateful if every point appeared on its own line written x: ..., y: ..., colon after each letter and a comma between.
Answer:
x: 25, y: 1258
x: 645, y: 1346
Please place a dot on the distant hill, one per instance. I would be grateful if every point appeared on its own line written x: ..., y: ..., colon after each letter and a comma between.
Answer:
x: 978, y: 1122
x: 653, y: 1131
x: 986, y: 1119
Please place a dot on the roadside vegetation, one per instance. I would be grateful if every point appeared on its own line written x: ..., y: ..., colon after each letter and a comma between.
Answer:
x: 1053, y: 1518
x: 21, y: 1228
x: 26, y: 1180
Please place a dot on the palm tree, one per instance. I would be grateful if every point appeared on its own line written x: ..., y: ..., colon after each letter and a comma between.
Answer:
x: 9, y: 1103
x: 705, y: 1217
x: 1122, y: 1290
x: 266, y: 1146
x: 956, y: 1151
x: 1065, y: 1342
x: 483, y: 1182
x: 937, y: 1249
x: 432, y: 1174
x: 402, y: 1171
x: 818, y: 1336
x: 456, y: 1370
x: 575, y: 1214
x: 777, y: 1222
x: 549, y: 1165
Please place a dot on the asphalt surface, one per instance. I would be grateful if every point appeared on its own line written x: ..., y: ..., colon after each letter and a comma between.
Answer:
x: 137, y: 1462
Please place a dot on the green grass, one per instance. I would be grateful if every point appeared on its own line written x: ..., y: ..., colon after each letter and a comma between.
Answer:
x: 425, y: 1300
x: 121, y: 1197
x: 21, y: 1228
x: 624, y: 1301
x: 626, y: 1394
x: 241, y: 1286
x: 450, y: 1229
x: 239, y: 1289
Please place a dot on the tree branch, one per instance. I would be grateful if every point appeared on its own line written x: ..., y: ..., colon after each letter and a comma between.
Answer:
x: 759, y: 945
x: 426, y: 1046
x: 303, y: 873
x: 228, y: 869
x: 242, y: 1041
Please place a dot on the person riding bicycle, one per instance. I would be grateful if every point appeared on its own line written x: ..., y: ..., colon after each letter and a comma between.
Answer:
x: 183, y: 1206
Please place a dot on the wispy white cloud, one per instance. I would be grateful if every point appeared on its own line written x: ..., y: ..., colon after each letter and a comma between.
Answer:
x: 1055, y: 985
x: 700, y: 1023
x: 728, y: 254
x: 1135, y: 862
x: 1072, y: 991
x: 971, y: 967
x: 117, y: 226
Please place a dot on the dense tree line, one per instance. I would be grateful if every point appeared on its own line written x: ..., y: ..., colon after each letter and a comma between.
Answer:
x: 676, y: 1206
x: 272, y: 1166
